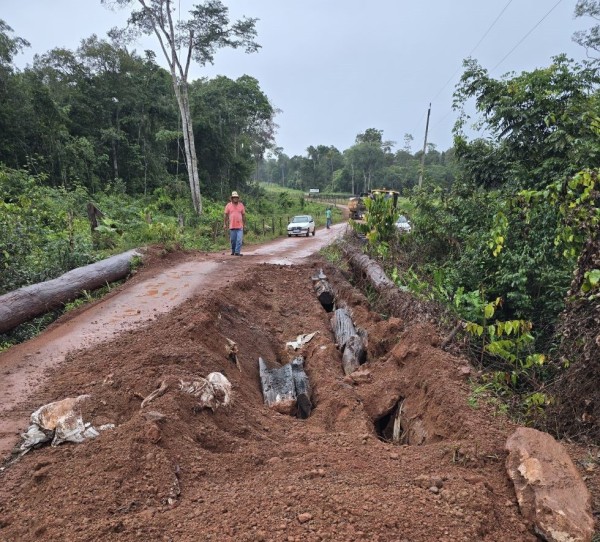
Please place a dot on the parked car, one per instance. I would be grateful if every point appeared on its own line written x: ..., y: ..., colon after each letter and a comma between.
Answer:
x: 301, y: 225
x: 403, y: 225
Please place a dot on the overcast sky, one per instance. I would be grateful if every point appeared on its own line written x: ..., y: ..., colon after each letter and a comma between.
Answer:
x: 337, y: 67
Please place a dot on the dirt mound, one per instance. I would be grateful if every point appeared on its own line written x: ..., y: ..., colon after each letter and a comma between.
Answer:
x: 170, y: 471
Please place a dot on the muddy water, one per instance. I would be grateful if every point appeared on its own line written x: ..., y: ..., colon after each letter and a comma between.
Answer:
x: 22, y: 367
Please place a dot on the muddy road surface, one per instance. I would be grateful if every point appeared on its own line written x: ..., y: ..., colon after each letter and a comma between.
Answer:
x: 171, y: 471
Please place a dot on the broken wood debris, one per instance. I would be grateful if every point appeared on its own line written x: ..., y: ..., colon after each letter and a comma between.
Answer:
x: 212, y: 392
x: 301, y: 340
x: 156, y: 393
x: 231, y: 348
x: 286, y: 389
x: 349, y: 341
x: 302, y: 387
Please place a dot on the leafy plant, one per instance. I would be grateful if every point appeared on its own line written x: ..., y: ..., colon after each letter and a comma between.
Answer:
x: 379, y: 226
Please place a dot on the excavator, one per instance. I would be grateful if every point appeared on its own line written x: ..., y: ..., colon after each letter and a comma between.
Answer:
x: 356, y: 204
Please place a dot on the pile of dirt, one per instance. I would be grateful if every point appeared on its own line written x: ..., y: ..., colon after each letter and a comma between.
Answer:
x: 171, y: 471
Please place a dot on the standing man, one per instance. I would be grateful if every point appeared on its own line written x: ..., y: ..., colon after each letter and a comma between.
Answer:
x: 235, y: 220
x: 328, y: 216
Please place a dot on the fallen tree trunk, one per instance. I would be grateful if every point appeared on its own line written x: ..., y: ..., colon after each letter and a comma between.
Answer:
x: 370, y: 268
x: 302, y: 387
x: 395, y: 301
x: 348, y: 341
x: 30, y: 301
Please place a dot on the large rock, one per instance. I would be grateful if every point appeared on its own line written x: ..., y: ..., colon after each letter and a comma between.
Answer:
x: 550, y: 492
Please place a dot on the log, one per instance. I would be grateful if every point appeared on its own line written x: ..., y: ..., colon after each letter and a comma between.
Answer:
x: 343, y: 328
x: 370, y: 269
x: 278, y: 388
x: 354, y: 354
x: 28, y: 302
x: 325, y: 294
x: 397, y: 302
x: 302, y: 387
x: 348, y: 340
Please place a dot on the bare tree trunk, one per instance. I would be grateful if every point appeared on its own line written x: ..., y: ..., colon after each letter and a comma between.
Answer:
x: 189, y: 144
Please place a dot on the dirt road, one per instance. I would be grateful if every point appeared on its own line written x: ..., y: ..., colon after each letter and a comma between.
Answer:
x: 174, y: 472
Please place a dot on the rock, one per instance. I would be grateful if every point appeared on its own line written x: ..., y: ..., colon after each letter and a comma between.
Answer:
x: 550, y: 491
x: 464, y: 370
x: 153, y: 416
x: 303, y: 518
x: 360, y: 376
x: 152, y: 432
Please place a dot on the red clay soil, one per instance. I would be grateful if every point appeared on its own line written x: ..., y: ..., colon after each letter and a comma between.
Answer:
x: 246, y: 473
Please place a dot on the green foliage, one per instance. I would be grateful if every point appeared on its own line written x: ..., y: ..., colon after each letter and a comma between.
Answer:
x: 379, y: 226
x: 542, y: 121
x: 509, y: 342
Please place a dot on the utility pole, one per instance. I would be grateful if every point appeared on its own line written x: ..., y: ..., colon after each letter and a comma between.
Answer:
x: 424, y: 148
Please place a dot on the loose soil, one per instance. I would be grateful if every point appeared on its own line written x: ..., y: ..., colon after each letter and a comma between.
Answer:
x: 245, y: 472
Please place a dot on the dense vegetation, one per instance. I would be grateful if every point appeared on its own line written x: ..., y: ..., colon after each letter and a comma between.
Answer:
x: 500, y: 246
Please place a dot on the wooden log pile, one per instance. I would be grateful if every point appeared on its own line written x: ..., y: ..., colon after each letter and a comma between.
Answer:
x: 286, y: 389
x: 348, y: 340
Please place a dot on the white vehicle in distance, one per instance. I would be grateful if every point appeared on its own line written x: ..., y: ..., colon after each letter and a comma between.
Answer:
x: 301, y: 225
x: 403, y: 225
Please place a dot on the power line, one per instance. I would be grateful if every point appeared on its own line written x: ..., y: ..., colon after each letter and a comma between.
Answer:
x: 474, y: 48
x: 526, y: 35
x: 507, y: 54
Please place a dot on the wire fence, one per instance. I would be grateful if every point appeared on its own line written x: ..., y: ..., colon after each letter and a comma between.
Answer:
x: 273, y: 226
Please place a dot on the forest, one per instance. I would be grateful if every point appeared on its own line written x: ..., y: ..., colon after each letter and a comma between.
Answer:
x: 505, y: 228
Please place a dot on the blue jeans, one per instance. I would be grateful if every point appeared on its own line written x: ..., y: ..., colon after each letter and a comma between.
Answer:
x: 328, y: 222
x: 236, y: 236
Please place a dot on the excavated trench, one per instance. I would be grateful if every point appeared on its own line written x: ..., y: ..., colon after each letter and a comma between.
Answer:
x: 248, y: 472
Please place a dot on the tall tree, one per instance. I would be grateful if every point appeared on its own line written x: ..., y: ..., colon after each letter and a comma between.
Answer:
x: 181, y: 41
x: 590, y: 39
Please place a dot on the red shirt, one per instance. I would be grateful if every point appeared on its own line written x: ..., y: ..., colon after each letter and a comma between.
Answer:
x: 235, y: 212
